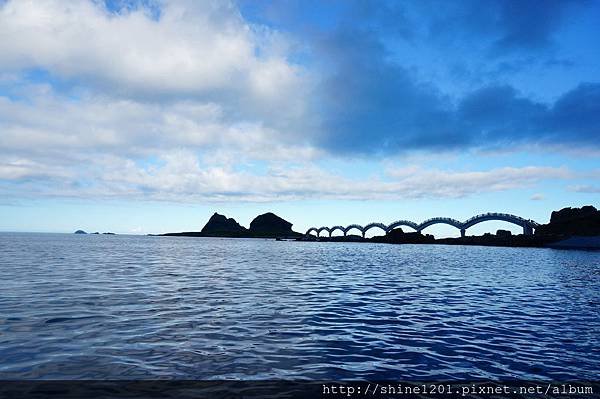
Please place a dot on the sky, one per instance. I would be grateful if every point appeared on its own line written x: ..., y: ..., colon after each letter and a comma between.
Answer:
x: 148, y: 116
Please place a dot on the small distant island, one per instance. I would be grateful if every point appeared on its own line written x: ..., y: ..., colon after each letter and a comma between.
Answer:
x: 84, y: 232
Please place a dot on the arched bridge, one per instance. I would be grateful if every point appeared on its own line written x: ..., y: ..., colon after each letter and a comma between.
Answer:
x: 528, y: 225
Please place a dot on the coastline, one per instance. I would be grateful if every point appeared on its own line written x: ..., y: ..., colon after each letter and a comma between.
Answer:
x: 520, y: 241
x: 489, y: 240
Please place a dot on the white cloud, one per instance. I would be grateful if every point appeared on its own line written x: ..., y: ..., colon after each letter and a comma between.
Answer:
x: 537, y: 197
x: 47, y: 124
x: 457, y: 184
x: 590, y: 189
x: 199, y: 50
x: 13, y: 168
x: 194, y: 46
x: 199, y: 77
x: 180, y: 176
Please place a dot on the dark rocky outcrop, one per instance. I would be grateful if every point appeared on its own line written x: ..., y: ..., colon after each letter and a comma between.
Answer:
x: 584, y: 221
x: 267, y: 225
x: 348, y: 238
x: 271, y: 225
x: 220, y: 225
x: 495, y: 240
x: 398, y: 236
x: 80, y: 232
x: 192, y: 234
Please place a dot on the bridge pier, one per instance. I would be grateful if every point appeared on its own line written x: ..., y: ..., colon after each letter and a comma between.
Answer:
x: 462, y: 232
x: 527, y: 230
x: 329, y: 234
x: 363, y: 234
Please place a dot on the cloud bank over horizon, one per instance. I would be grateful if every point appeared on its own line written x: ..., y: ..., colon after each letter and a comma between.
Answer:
x: 187, y: 101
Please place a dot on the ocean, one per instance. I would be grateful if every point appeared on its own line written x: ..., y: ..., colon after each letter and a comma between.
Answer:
x: 141, y: 307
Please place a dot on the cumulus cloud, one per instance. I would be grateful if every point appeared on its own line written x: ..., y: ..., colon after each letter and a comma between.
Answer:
x: 196, y: 50
x: 193, y: 47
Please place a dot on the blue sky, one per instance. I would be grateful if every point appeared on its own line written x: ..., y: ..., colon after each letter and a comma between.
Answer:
x: 148, y: 116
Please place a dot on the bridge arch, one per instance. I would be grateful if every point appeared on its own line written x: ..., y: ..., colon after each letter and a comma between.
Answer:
x: 399, y: 223
x: 323, y: 228
x: 354, y: 226
x: 373, y: 225
x: 527, y: 225
x: 311, y: 230
x: 334, y: 228
x: 442, y: 220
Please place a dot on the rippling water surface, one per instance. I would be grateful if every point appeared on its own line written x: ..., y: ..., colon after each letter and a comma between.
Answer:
x: 76, y: 306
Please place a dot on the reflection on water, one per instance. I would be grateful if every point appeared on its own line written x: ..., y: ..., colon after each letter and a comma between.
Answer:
x: 145, y: 307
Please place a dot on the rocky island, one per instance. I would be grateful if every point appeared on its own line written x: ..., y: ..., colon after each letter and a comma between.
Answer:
x: 271, y: 225
x: 96, y: 233
x: 267, y: 225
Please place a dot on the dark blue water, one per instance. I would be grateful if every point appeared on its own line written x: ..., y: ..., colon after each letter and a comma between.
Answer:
x: 145, y: 307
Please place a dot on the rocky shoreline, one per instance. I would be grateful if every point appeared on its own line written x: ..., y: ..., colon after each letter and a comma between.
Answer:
x: 492, y: 240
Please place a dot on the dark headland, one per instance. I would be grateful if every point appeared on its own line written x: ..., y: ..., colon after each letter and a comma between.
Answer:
x: 568, y: 228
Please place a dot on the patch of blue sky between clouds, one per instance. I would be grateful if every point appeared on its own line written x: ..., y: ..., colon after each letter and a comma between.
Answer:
x: 150, y: 7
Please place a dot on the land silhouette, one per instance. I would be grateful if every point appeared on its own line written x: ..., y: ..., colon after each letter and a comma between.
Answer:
x: 568, y: 228
x: 267, y: 225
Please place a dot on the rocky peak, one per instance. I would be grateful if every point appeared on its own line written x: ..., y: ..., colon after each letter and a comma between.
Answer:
x: 219, y: 224
x: 269, y: 223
